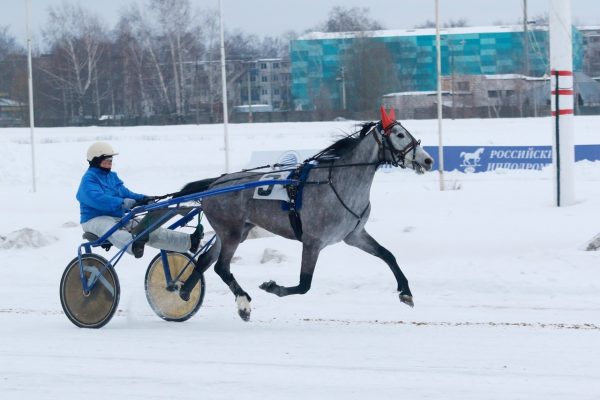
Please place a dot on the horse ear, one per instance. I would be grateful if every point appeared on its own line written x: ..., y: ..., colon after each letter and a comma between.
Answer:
x: 387, y: 119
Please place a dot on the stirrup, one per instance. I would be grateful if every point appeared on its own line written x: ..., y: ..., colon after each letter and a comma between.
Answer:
x: 91, y: 237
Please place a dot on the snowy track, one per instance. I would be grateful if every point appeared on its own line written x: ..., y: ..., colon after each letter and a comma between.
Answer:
x: 507, y: 303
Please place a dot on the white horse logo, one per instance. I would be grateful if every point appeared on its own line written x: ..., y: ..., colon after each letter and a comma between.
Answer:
x: 472, y: 159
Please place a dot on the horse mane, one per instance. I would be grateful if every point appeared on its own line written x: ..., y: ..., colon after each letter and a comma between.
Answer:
x: 344, y: 145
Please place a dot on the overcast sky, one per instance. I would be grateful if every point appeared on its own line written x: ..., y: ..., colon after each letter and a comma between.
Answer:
x: 274, y: 17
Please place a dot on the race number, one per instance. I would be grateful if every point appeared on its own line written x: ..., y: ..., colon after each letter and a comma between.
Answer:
x: 272, y: 192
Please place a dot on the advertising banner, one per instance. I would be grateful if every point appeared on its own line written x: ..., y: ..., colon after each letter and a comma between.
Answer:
x: 468, y: 159
x: 472, y: 159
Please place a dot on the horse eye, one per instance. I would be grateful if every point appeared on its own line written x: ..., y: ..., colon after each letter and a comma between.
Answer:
x: 400, y: 135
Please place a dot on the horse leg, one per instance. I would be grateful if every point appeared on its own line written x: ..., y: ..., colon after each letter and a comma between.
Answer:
x: 362, y: 240
x: 247, y: 228
x: 222, y: 268
x: 310, y: 254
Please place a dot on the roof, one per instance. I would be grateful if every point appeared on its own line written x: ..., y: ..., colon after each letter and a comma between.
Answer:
x: 4, y: 102
x: 417, y: 32
x: 421, y: 93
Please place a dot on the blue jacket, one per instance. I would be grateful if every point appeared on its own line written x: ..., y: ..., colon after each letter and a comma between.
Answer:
x: 102, y: 193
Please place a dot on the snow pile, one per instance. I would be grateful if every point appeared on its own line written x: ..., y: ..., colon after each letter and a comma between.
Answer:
x: 272, y: 255
x: 26, y: 238
x: 257, y: 232
x: 594, y: 244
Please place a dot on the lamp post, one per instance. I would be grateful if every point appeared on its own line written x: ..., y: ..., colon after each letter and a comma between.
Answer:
x: 451, y: 49
x: 342, y: 79
x: 439, y: 94
x: 30, y: 88
x: 224, y: 88
x: 249, y: 93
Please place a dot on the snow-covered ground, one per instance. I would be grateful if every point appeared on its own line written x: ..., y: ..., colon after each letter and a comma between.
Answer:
x: 507, y: 302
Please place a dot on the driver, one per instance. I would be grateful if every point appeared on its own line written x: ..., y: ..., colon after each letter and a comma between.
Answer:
x: 104, y: 199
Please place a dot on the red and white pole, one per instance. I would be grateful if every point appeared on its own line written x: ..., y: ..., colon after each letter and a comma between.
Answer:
x: 561, y: 84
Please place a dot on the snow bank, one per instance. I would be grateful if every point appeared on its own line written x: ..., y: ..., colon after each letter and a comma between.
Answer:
x: 26, y: 238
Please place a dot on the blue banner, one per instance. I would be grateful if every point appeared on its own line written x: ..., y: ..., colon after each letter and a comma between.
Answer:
x: 489, y: 158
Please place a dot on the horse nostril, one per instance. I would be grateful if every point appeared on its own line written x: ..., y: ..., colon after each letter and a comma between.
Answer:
x: 428, y: 161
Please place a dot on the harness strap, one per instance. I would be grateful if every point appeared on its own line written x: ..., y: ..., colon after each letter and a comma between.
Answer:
x: 300, y: 174
x: 358, y: 217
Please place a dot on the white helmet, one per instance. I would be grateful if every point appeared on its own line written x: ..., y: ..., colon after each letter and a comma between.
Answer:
x: 100, y: 149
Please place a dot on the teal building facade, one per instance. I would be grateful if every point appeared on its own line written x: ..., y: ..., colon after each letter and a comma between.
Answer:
x: 319, y: 60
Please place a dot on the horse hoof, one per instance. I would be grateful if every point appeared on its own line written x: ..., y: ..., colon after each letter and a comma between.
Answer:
x: 406, y: 299
x: 268, y: 286
x: 244, y: 315
x: 244, y: 309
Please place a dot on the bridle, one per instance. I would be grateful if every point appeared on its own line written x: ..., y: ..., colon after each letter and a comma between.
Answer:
x: 383, y: 138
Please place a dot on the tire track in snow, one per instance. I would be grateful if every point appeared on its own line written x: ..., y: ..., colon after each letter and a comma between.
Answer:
x: 581, y: 326
x: 490, y: 324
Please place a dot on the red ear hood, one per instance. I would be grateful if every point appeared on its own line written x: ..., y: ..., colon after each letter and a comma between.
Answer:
x: 387, y: 119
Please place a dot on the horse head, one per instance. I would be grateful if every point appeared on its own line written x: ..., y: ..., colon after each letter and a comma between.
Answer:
x: 399, y: 146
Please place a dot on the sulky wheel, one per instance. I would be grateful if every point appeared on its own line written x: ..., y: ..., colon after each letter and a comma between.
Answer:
x: 163, y: 296
x: 95, y: 308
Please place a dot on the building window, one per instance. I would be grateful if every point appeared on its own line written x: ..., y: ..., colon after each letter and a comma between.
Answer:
x: 264, y: 91
x: 263, y: 79
x: 463, y: 86
x: 263, y: 65
x: 275, y: 65
x: 276, y: 91
x: 492, y: 93
x: 275, y: 78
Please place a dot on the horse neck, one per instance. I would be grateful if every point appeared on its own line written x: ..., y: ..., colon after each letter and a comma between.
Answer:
x: 365, y: 152
x: 354, y: 176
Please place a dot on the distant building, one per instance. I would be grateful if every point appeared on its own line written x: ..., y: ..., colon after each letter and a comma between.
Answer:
x: 591, y: 43
x: 269, y: 83
x: 268, y: 80
x: 319, y: 59
x: 485, y: 96
x: 11, y: 112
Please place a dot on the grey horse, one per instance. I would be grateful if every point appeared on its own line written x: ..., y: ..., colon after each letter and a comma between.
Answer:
x: 335, y: 189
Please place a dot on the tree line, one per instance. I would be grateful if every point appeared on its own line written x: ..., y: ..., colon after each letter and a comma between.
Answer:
x: 160, y: 63
x: 160, y: 58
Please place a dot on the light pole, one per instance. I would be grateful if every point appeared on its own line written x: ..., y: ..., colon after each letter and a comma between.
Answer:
x: 439, y: 94
x: 342, y: 79
x: 451, y: 49
x: 224, y: 88
x: 249, y: 94
x: 30, y: 88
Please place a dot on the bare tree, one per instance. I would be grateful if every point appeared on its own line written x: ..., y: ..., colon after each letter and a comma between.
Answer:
x: 453, y: 23
x: 456, y: 23
x: 174, y: 22
x: 75, y: 36
x: 355, y: 19
x: 8, y: 44
x: 11, y: 63
x: 371, y: 72
x: 131, y: 44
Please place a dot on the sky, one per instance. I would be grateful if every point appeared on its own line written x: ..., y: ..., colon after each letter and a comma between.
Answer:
x: 275, y: 17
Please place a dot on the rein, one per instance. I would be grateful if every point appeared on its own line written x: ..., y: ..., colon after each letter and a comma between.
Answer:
x: 398, y: 160
x: 384, y: 144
